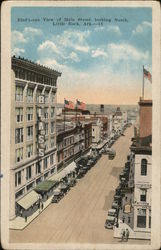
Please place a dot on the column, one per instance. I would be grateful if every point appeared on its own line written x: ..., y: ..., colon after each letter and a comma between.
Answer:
x: 12, y: 195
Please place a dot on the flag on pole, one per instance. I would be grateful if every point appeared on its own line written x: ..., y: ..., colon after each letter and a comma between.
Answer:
x: 147, y: 75
x: 68, y: 104
x: 81, y: 105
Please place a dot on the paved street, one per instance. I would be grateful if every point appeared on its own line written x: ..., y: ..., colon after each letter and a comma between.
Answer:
x: 81, y: 214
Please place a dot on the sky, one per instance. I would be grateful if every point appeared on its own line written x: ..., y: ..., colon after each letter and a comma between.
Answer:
x: 100, y: 51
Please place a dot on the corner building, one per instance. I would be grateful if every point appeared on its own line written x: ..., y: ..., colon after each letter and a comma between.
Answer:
x: 142, y: 149
x: 29, y: 83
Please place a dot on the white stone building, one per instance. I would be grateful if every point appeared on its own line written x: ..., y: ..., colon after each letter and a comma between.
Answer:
x: 33, y: 129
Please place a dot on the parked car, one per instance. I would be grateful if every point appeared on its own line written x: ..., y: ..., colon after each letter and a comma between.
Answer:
x: 115, y: 204
x: 110, y: 222
x: 112, y: 212
x: 111, y: 154
x: 118, y: 198
x: 56, y: 198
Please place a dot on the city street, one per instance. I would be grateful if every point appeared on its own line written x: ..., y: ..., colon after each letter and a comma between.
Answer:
x: 81, y: 214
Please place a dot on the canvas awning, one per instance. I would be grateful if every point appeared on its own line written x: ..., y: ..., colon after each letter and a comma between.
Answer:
x: 45, y: 186
x: 28, y: 200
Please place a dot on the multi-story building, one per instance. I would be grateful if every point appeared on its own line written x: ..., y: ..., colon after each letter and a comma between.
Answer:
x: 142, y: 149
x: 72, y: 141
x: 33, y: 128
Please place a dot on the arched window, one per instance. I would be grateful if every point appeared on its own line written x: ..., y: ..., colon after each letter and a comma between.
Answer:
x: 143, y: 167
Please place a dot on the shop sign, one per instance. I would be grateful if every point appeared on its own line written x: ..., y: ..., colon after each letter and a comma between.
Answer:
x: 41, y: 130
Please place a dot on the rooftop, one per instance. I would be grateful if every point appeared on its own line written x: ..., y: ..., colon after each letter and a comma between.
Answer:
x: 31, y: 63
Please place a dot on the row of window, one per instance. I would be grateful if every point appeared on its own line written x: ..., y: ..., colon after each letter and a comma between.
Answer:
x: 19, y: 132
x: 29, y: 150
x: 38, y: 169
x: 19, y: 95
x: 29, y: 114
x: 32, y: 184
x: 30, y: 76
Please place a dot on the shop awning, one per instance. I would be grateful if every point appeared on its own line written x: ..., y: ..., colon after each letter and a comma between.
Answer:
x: 28, y: 200
x: 71, y: 167
x: 45, y: 186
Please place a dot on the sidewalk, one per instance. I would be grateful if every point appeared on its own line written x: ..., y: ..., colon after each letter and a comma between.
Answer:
x: 125, y: 221
x: 19, y: 222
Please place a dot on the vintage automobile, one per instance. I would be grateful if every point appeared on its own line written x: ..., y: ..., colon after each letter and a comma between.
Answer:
x: 118, y: 198
x: 111, y: 154
x: 112, y: 212
x: 57, y: 196
x: 110, y: 222
x: 115, y: 204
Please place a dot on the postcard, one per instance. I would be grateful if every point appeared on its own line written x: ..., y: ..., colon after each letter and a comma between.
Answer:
x: 80, y: 125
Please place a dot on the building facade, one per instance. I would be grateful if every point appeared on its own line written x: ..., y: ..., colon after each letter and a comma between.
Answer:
x: 142, y: 149
x: 72, y: 142
x: 33, y: 127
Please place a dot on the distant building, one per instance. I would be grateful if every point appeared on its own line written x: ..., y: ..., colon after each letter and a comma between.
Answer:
x: 119, y: 120
x: 96, y: 131
x: 102, y: 108
x: 142, y: 149
x: 33, y: 131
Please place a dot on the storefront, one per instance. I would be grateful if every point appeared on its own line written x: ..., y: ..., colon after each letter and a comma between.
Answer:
x: 45, y: 188
x: 28, y: 204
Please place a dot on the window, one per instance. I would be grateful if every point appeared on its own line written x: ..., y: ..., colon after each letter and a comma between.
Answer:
x: 28, y: 172
x: 51, y: 159
x: 143, y: 195
x: 20, y: 193
x: 38, y: 180
x: 38, y: 167
x: 19, y: 154
x: 52, y: 142
x: 45, y: 163
x: 46, y: 97
x: 30, y: 95
x: 29, y: 113
x: 46, y: 128
x: 19, y: 114
x: 52, y: 127
x: 144, y: 167
x: 18, y: 135
x: 141, y: 218
x: 52, y: 112
x: 37, y: 95
x: 17, y: 178
x: 46, y: 175
x: 19, y: 94
x: 29, y: 133
x: 31, y: 185
x: 29, y: 150
x: 45, y: 113
x: 52, y: 97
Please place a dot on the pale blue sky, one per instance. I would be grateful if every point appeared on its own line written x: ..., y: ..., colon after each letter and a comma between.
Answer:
x: 105, y: 60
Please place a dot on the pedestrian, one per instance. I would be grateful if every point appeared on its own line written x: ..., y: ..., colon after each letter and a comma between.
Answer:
x: 42, y: 206
x: 123, y: 219
x: 127, y: 234
x: 21, y: 213
x: 125, y: 198
x: 25, y: 218
x: 122, y: 234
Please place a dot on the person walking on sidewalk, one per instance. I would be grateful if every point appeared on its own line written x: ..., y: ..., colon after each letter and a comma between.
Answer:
x: 42, y: 206
x: 122, y: 234
x: 127, y: 234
